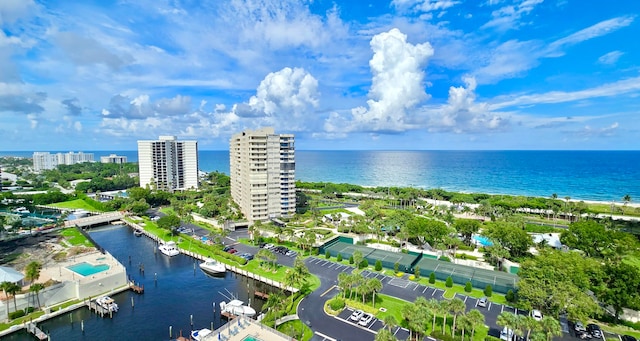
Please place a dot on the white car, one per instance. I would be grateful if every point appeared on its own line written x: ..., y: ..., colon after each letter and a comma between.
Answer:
x: 356, y: 315
x: 482, y: 302
x: 506, y: 334
x: 536, y: 314
x: 365, y: 319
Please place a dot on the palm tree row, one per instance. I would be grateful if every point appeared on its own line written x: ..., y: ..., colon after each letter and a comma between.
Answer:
x: 355, y: 283
x: 530, y: 328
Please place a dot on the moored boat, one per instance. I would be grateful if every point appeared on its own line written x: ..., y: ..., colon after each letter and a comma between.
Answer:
x: 200, y: 334
x: 212, y: 267
x: 107, y: 303
x: 238, y: 308
x: 169, y: 248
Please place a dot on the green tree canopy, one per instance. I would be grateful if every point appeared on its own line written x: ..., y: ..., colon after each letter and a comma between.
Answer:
x: 169, y: 222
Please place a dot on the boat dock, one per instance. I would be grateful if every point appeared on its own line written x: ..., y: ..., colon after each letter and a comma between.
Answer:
x: 228, y: 315
x: 33, y: 329
x: 136, y: 288
x: 261, y: 295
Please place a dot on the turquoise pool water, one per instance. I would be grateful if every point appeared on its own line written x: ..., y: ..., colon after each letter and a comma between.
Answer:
x: 484, y: 241
x: 86, y: 269
x: 250, y: 338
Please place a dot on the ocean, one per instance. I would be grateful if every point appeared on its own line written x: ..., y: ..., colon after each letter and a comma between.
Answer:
x: 583, y: 175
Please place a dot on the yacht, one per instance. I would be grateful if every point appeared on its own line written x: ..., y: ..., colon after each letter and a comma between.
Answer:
x: 200, y: 334
x: 107, y: 303
x: 237, y: 307
x: 212, y: 267
x: 169, y: 248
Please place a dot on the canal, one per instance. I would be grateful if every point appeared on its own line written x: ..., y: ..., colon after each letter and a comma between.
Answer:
x: 176, y: 293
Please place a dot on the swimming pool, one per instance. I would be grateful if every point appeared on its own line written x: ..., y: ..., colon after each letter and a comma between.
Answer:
x: 484, y: 241
x: 87, y: 269
x: 250, y: 338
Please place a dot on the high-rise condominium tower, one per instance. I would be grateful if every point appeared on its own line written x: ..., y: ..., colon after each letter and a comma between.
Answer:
x: 168, y: 164
x: 262, y: 165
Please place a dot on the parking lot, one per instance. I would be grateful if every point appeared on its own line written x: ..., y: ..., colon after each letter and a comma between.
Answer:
x: 373, y: 326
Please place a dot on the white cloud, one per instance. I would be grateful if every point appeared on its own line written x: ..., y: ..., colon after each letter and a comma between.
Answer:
x: 141, y: 107
x: 630, y: 85
x: 397, y: 86
x: 600, y: 29
x: 462, y: 114
x: 509, y: 59
x: 83, y: 50
x: 12, y: 10
x: 508, y: 17
x: 284, y: 98
x: 588, y: 132
x: 424, y: 5
x: 610, y: 58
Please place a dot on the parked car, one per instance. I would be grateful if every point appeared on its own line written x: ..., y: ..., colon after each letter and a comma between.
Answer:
x: 628, y: 338
x: 247, y: 256
x: 356, y: 315
x: 365, y: 319
x: 268, y: 246
x: 291, y: 253
x: 506, y: 334
x: 482, y: 302
x: 232, y: 251
x: 579, y: 327
x: 594, y: 330
x: 227, y: 248
x: 536, y: 314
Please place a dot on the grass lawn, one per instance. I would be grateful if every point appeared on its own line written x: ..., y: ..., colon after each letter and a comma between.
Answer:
x: 74, y: 237
x: 296, y: 328
x: 76, y: 204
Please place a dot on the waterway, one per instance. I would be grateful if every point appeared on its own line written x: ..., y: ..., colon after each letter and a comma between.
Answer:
x: 180, y: 291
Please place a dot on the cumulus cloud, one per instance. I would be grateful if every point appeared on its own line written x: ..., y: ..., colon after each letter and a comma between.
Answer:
x: 462, y: 114
x: 397, y: 86
x: 14, y: 98
x: 12, y: 10
x: 610, y: 58
x: 288, y: 95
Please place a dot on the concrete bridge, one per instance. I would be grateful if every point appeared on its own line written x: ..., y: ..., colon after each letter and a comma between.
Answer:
x: 93, y: 220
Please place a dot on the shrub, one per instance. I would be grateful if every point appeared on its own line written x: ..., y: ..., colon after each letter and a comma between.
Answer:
x: 336, y: 304
x: 488, y: 290
x: 510, y: 296
x: 29, y: 310
x: 396, y: 266
x: 378, y: 265
x: 468, y: 287
x: 327, y: 254
x: 444, y: 337
x: 449, y: 282
x: 416, y: 272
x: 351, y: 259
x: 339, y: 257
x: 444, y: 259
x: 432, y: 278
x: 316, y: 251
x: 412, y: 277
x: 16, y: 314
x: 363, y: 264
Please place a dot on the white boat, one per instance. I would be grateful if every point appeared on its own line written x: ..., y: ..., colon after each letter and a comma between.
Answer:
x: 238, y: 308
x: 107, y: 303
x: 21, y: 210
x: 212, y: 267
x: 200, y: 334
x: 137, y: 233
x: 169, y: 248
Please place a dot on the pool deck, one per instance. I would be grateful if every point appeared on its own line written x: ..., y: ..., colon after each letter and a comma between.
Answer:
x: 59, y: 271
x: 232, y: 331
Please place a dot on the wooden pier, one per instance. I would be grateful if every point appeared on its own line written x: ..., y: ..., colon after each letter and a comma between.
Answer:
x: 33, y: 329
x: 136, y: 288
x: 261, y: 295
x: 228, y: 315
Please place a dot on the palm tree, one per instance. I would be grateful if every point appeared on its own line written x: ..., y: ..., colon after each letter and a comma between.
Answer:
x: 551, y: 327
x: 374, y: 285
x: 12, y: 289
x: 626, y: 199
x: 463, y: 323
x: 385, y: 335
x: 456, y: 307
x: 506, y: 319
x: 434, y: 306
x: 530, y: 325
x: 389, y: 322
x: 36, y: 287
x: 444, y: 309
x: 409, y: 312
x: 32, y: 272
x: 475, y: 318
x: 275, y: 303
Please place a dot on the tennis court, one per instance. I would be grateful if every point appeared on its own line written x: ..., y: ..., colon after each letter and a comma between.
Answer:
x: 388, y: 258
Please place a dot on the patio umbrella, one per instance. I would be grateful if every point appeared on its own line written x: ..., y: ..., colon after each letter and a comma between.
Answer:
x: 10, y: 275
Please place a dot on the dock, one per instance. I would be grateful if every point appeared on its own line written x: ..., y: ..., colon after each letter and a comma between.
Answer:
x: 228, y: 315
x: 136, y: 288
x: 33, y: 329
x: 261, y: 295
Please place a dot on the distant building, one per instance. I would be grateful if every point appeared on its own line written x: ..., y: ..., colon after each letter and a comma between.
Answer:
x: 113, y: 158
x: 46, y: 160
x: 262, y: 166
x: 168, y: 164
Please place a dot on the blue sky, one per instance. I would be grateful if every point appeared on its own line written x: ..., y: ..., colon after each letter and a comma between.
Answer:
x: 391, y: 75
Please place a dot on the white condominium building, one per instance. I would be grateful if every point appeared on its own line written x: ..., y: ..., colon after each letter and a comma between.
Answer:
x: 262, y: 166
x: 168, y: 164
x: 113, y: 158
x: 46, y: 160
